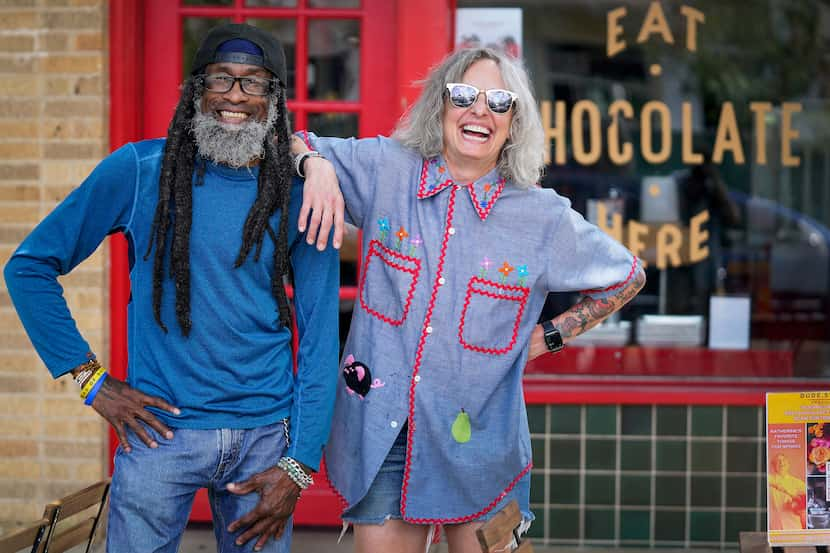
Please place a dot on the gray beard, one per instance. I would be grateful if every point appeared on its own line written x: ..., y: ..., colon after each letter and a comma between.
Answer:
x: 235, y: 145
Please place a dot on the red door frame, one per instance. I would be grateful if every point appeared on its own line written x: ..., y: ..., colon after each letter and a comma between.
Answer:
x: 392, y: 45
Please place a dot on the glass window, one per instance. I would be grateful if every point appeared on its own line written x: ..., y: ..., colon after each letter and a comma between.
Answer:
x: 272, y: 3
x: 208, y: 2
x: 194, y: 30
x: 333, y: 59
x: 286, y: 32
x: 334, y: 3
x: 698, y: 137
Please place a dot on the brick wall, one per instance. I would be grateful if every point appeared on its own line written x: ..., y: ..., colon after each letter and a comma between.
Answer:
x: 53, y: 121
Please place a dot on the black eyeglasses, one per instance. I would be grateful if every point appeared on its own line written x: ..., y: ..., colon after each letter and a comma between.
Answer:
x: 464, y: 95
x: 252, y: 86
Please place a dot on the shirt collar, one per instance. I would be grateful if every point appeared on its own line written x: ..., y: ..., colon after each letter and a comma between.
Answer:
x: 435, y: 177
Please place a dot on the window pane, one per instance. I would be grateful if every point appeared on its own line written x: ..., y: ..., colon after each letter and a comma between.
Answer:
x: 333, y: 59
x: 343, y: 125
x: 285, y: 31
x: 752, y: 221
x: 272, y: 3
x: 194, y: 30
x: 334, y: 3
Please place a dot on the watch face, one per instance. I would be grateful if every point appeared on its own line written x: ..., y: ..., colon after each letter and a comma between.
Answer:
x: 553, y: 340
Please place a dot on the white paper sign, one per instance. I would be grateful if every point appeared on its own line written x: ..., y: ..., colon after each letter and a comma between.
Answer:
x: 729, y: 322
x: 497, y: 28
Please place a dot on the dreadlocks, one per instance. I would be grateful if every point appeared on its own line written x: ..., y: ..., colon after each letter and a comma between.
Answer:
x: 175, y: 204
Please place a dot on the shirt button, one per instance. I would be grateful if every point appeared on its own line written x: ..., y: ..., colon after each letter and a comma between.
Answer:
x: 441, y: 280
x: 452, y: 230
x: 393, y: 424
x: 429, y: 330
x: 417, y: 378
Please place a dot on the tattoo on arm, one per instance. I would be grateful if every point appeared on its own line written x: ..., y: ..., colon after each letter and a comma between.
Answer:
x: 589, y: 312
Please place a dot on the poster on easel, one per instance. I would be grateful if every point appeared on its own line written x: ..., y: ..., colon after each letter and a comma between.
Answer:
x: 798, y: 475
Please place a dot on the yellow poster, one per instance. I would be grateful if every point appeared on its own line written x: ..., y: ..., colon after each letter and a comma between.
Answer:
x: 798, y: 486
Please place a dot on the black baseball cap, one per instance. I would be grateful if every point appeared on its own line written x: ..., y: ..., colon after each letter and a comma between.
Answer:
x: 210, y: 51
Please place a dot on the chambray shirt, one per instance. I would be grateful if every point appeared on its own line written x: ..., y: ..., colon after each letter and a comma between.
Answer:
x: 453, y: 280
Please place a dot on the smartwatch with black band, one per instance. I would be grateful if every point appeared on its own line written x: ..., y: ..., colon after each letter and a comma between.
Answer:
x: 553, y: 339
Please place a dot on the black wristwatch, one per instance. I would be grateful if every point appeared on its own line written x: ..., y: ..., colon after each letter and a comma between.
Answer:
x: 553, y: 339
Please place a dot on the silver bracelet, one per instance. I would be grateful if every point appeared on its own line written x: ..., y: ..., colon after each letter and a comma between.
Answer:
x: 300, y: 159
x: 295, y: 472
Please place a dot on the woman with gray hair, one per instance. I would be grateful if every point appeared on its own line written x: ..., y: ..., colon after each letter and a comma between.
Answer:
x: 460, y: 248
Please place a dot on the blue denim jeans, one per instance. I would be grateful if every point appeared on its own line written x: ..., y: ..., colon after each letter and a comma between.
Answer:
x: 153, y: 489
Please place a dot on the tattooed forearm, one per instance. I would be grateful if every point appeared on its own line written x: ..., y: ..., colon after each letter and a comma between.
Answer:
x: 589, y: 312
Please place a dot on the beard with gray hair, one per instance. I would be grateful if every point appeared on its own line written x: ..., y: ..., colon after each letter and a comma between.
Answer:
x: 235, y: 145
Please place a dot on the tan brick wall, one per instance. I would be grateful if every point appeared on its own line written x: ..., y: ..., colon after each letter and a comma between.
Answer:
x: 53, y: 121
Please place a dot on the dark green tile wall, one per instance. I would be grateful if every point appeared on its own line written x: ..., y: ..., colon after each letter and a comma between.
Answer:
x: 646, y: 476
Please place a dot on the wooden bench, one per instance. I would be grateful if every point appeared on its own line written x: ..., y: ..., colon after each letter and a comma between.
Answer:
x: 756, y: 542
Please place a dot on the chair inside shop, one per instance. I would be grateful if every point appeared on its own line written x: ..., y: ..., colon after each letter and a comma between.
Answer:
x: 74, y: 519
x: 27, y: 538
x: 500, y: 533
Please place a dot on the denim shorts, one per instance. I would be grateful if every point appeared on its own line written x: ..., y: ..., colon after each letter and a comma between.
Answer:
x: 383, y: 500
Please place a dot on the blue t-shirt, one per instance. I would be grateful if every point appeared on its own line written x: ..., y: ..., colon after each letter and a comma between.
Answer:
x: 235, y: 368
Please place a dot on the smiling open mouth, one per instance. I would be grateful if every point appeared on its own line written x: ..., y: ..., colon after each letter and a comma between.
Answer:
x: 475, y: 132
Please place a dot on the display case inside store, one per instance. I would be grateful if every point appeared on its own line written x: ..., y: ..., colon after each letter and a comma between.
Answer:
x: 691, y: 135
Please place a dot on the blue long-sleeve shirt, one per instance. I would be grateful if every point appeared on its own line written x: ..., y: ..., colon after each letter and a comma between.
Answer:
x: 235, y: 369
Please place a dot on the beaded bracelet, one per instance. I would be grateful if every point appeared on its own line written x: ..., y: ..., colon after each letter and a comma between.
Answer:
x: 88, y: 369
x: 295, y: 472
x: 95, y: 388
x: 92, y: 381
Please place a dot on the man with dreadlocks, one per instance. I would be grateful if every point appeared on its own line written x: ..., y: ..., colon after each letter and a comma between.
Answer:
x: 211, y: 389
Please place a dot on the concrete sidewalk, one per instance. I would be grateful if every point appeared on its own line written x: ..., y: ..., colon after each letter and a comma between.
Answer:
x: 199, y: 539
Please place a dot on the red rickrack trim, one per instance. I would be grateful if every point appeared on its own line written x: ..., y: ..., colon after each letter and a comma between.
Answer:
x: 619, y: 284
x: 474, y: 516
x: 521, y: 299
x: 422, y: 191
x: 373, y: 250
x: 484, y: 212
x: 343, y: 503
x: 304, y: 136
x: 419, y: 354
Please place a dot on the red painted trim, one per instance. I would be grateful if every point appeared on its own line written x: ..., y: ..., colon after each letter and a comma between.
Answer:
x: 270, y: 13
x: 380, y: 251
x: 378, y: 66
x: 424, y: 38
x: 553, y: 391
x: 419, y: 353
x: 634, y: 264
x: 315, y: 106
x: 474, y: 516
x: 484, y: 212
x: 125, y: 32
x: 521, y: 299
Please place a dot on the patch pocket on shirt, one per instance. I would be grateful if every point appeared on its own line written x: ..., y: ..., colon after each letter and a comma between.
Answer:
x: 388, y: 283
x: 491, y: 316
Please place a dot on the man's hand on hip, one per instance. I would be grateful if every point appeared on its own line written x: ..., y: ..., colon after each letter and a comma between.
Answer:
x: 123, y: 406
x: 278, y: 496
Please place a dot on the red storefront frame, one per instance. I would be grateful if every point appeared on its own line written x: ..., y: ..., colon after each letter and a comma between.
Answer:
x: 145, y: 41
x: 145, y: 70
